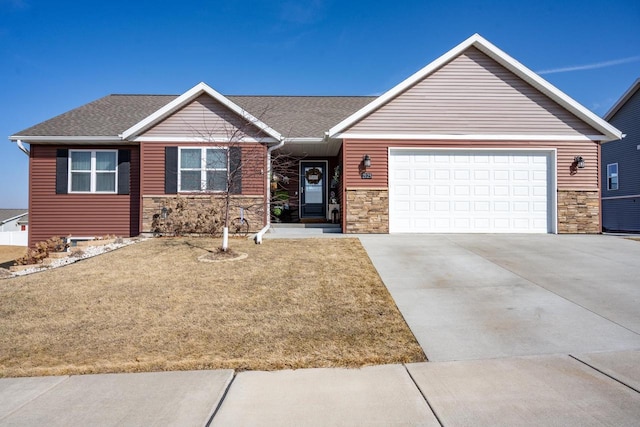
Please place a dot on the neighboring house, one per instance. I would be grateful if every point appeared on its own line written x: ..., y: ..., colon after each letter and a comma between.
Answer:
x: 473, y: 142
x: 621, y: 166
x: 14, y: 225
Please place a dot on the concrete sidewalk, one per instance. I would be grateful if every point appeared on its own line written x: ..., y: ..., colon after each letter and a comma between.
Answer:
x: 582, y: 390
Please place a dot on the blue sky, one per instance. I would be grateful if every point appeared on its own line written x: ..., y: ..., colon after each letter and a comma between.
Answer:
x: 58, y: 55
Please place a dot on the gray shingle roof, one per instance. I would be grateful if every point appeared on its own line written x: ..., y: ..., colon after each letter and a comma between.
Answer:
x: 6, y: 214
x: 108, y: 116
x: 292, y: 116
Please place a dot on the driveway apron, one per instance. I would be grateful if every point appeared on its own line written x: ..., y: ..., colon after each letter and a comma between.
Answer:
x: 487, y: 296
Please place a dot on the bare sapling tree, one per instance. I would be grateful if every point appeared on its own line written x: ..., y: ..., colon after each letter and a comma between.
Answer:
x: 233, y: 153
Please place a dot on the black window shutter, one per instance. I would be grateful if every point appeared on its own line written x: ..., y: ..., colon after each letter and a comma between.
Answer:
x: 235, y: 169
x: 171, y: 170
x: 124, y: 167
x: 62, y: 167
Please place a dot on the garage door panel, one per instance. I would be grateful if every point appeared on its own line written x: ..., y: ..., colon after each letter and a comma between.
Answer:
x: 474, y: 191
x: 402, y: 190
x: 462, y: 190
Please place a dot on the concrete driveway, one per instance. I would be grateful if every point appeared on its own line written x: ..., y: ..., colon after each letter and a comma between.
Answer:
x: 487, y: 296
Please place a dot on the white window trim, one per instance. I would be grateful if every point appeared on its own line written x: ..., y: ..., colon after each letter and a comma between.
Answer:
x: 203, y: 170
x: 93, y: 172
x: 610, y: 175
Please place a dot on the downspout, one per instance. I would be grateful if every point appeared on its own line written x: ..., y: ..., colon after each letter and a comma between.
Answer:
x: 259, y: 234
x: 22, y: 148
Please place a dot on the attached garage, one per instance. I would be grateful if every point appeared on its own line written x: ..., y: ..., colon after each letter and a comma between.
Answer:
x: 471, y: 191
x: 472, y: 143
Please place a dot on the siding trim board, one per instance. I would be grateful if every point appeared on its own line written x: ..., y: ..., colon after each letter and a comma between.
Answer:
x: 468, y: 137
x: 633, y: 196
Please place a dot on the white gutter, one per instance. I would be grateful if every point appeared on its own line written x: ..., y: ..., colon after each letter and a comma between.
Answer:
x: 22, y: 148
x: 259, y: 234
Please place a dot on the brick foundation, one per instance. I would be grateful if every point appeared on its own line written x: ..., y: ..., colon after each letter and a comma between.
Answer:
x: 367, y: 210
x: 578, y: 212
x: 253, y: 212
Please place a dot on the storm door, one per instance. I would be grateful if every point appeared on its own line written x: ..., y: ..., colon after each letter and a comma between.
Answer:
x: 313, y: 189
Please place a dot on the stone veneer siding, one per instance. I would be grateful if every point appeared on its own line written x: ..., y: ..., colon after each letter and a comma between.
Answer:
x: 253, y: 213
x: 578, y: 211
x: 367, y: 210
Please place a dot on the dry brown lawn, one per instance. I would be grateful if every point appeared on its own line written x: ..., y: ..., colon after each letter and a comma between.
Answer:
x: 153, y: 306
x: 10, y: 253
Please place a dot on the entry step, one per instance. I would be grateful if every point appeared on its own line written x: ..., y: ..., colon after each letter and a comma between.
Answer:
x: 304, y: 228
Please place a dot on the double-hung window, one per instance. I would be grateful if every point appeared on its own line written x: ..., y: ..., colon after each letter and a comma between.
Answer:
x: 93, y: 171
x: 203, y: 169
x: 612, y: 176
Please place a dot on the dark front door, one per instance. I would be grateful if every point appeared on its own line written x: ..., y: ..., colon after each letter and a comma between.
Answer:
x: 313, y: 189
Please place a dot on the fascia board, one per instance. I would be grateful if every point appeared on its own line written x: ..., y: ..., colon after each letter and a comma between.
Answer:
x: 198, y: 139
x: 564, y: 100
x: 189, y: 96
x: 402, y: 86
x: 14, y: 218
x: 476, y: 40
x: 303, y: 140
x: 623, y: 100
x: 67, y: 139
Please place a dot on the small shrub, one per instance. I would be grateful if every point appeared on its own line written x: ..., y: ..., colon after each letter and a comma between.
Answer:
x: 41, y: 251
x: 183, y: 217
x: 106, y: 237
x: 76, y: 254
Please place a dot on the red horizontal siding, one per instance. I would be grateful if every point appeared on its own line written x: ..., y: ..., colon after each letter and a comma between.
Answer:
x: 253, y: 167
x: 52, y: 214
x: 584, y: 179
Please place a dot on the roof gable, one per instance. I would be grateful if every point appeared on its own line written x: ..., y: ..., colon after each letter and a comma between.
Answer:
x: 186, y: 99
x: 205, y: 119
x: 623, y: 100
x: 604, y: 130
x: 472, y: 95
x: 7, y: 215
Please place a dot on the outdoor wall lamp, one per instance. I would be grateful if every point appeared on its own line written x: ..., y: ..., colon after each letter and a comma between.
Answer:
x: 164, y: 212
x: 366, y: 161
x: 579, y: 162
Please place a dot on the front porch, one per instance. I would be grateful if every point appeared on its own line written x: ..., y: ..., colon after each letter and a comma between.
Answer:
x: 306, y: 191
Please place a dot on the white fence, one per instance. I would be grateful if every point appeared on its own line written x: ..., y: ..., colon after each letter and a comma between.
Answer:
x: 14, y: 238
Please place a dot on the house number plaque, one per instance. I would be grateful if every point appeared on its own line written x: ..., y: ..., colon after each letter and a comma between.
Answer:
x: 366, y: 175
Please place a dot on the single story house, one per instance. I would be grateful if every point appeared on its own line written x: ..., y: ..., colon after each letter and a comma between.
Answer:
x: 473, y: 142
x: 621, y: 166
x: 14, y: 219
x: 14, y: 224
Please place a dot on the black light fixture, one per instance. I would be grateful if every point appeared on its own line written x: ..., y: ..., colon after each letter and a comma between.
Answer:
x: 366, y: 161
x: 579, y: 162
x: 164, y: 212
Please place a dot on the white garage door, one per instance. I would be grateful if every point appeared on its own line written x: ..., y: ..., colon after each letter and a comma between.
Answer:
x: 472, y: 191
